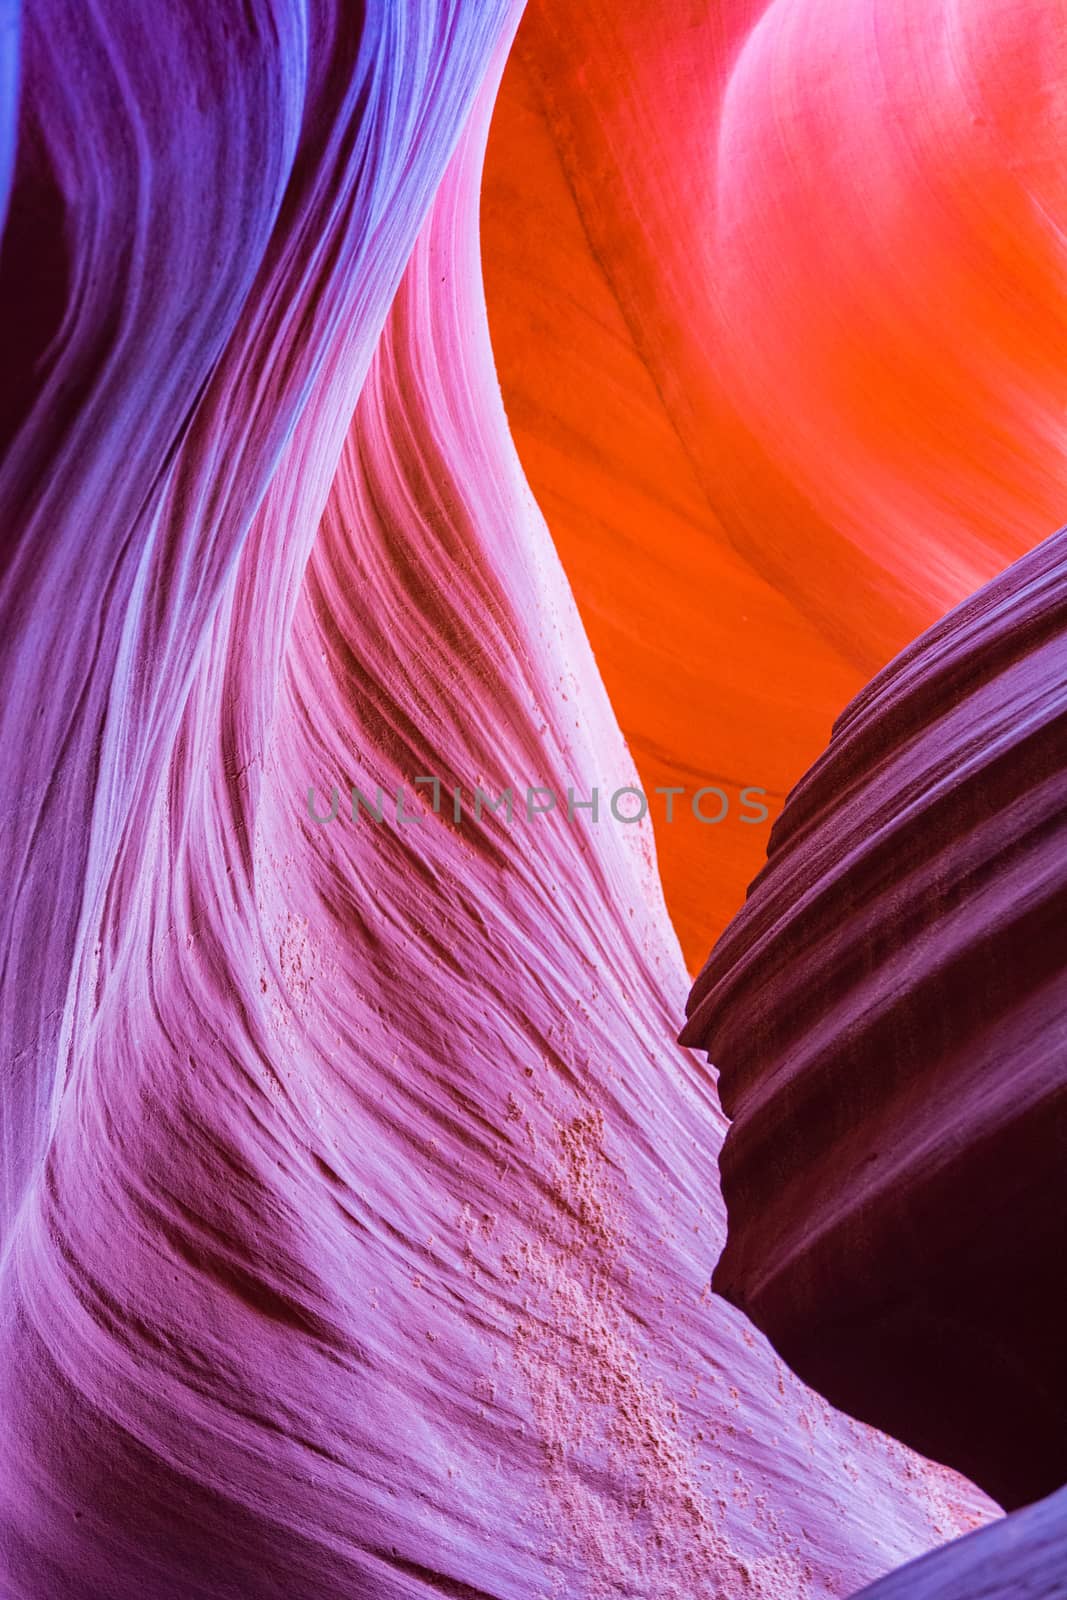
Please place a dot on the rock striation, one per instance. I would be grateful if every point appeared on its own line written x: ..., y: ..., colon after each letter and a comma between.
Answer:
x: 888, y: 1014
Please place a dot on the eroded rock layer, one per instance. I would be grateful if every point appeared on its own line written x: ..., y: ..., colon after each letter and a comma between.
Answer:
x: 888, y: 1014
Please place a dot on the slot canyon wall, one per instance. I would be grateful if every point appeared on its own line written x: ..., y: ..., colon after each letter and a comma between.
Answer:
x: 776, y: 295
x: 358, y: 1207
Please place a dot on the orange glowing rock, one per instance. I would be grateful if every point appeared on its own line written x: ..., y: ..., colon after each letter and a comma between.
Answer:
x: 774, y: 297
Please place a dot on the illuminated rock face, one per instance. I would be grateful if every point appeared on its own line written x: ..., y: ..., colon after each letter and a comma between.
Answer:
x: 888, y: 1014
x: 776, y: 296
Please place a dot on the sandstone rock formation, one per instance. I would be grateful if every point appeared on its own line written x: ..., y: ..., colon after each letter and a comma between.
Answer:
x: 888, y: 1014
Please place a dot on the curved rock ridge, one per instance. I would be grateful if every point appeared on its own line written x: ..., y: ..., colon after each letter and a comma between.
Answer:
x: 274, y: 160
x: 357, y: 1212
x: 789, y: 377
x: 888, y: 1015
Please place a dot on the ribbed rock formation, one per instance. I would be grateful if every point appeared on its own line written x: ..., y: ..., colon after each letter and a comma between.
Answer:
x: 888, y: 1014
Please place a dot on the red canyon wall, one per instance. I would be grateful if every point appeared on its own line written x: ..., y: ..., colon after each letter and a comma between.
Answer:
x: 775, y: 294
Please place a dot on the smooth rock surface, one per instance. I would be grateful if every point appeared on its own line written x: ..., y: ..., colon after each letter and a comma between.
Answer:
x: 776, y: 297
x: 1021, y: 1557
